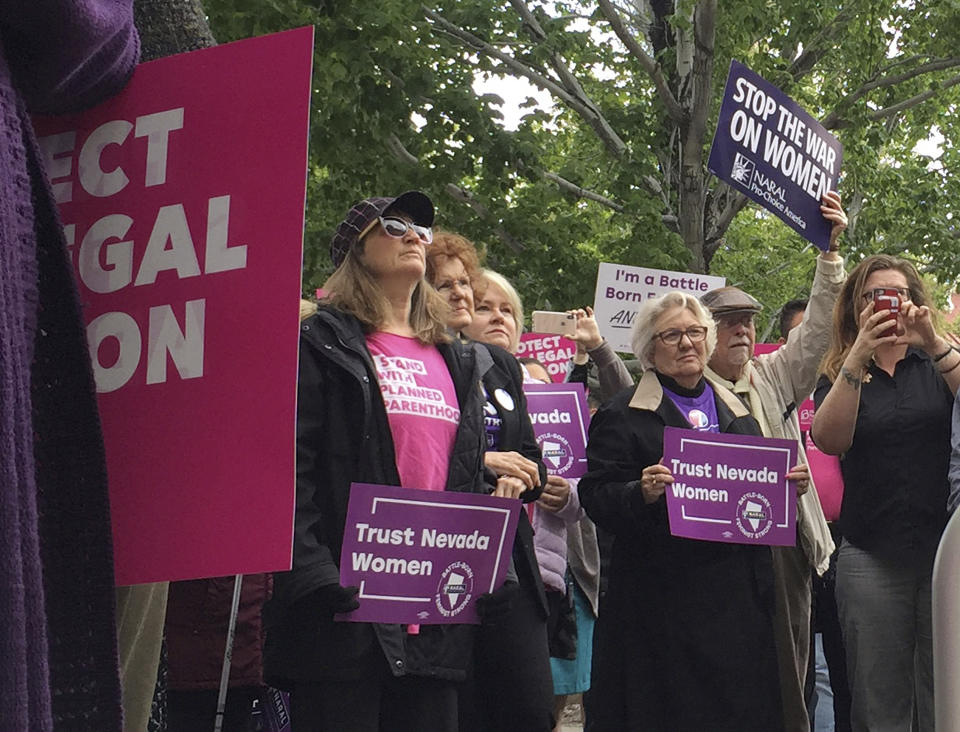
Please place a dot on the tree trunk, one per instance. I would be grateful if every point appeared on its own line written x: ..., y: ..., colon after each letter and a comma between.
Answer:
x: 168, y: 27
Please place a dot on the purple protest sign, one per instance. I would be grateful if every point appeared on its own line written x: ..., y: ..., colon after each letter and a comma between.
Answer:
x: 769, y: 148
x: 560, y: 416
x: 730, y: 488
x: 424, y: 556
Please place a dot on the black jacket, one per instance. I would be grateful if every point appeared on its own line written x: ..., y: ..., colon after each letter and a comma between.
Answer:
x: 516, y: 435
x: 343, y: 436
x: 684, y: 635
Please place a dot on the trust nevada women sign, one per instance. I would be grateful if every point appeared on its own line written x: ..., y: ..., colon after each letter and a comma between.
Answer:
x: 730, y: 488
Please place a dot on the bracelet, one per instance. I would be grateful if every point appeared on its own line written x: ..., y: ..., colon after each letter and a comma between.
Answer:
x: 947, y: 371
x: 943, y: 355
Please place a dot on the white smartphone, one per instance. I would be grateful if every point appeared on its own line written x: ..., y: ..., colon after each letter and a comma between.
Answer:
x: 546, y: 321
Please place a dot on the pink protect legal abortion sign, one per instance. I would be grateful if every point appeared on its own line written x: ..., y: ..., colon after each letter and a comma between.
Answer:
x: 182, y: 200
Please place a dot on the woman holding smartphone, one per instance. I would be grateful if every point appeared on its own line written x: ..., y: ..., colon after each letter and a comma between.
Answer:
x: 884, y: 404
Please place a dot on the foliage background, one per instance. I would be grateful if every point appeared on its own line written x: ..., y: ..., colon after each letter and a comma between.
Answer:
x: 395, y: 108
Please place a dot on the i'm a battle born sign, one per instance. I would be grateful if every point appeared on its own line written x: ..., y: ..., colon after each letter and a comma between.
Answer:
x: 730, y: 488
x: 769, y: 148
x: 424, y: 556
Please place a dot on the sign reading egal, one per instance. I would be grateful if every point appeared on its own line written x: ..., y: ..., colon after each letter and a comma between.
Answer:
x: 769, y: 148
x: 621, y: 289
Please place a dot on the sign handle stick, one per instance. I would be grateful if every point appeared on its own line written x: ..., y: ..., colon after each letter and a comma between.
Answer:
x: 228, y: 654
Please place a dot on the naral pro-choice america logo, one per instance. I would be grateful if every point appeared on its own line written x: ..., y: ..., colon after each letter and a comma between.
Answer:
x: 557, y: 453
x: 754, y: 515
x: 742, y: 171
x: 455, y: 589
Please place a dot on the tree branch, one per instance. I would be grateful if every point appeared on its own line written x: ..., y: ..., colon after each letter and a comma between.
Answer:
x: 464, y: 196
x: 570, y: 187
x: 610, y: 139
x: 647, y: 63
x: 913, y: 101
x: 567, y: 78
x: 820, y: 45
x: 834, y: 118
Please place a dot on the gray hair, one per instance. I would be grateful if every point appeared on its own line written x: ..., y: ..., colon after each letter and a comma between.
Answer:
x: 645, y: 322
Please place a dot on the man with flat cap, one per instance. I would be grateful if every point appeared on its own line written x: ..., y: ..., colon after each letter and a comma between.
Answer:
x: 772, y: 386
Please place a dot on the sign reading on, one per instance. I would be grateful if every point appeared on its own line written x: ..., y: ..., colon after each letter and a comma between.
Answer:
x: 560, y: 417
x: 184, y: 220
x: 553, y: 351
x: 424, y: 556
x: 621, y: 289
x: 769, y: 148
x: 730, y: 488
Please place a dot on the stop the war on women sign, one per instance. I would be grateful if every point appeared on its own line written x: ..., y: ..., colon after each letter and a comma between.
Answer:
x: 182, y: 201
x: 769, y: 148
x: 730, y: 488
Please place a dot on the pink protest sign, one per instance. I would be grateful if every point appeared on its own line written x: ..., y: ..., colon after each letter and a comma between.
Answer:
x: 553, y: 351
x: 182, y: 200
x: 424, y: 556
x: 560, y: 417
x: 730, y: 488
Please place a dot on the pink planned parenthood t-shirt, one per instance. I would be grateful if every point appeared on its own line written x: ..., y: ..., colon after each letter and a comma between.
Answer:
x: 422, y: 407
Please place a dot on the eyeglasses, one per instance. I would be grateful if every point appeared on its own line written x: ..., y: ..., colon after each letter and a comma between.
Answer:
x: 397, y: 228
x: 672, y: 337
x: 903, y: 292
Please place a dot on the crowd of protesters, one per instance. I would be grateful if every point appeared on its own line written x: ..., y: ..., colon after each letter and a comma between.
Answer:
x: 671, y: 633
x: 657, y: 632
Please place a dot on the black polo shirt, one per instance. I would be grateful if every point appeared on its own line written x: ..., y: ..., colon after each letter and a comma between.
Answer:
x: 895, y: 472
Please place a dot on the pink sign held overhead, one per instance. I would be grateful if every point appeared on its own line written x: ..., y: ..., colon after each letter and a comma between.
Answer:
x: 424, y: 556
x: 182, y: 200
x: 730, y: 488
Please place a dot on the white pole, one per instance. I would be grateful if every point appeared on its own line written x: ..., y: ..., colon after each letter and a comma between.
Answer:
x: 946, y: 628
x: 228, y: 654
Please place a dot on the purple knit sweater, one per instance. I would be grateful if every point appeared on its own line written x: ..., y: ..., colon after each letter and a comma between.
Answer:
x: 57, y: 637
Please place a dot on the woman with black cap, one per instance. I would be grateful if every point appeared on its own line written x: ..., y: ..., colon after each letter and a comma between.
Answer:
x: 348, y: 676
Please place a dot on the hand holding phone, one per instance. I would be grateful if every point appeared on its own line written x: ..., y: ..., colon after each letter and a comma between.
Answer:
x: 556, y: 323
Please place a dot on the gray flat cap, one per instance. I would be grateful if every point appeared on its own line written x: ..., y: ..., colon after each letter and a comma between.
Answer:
x: 726, y: 300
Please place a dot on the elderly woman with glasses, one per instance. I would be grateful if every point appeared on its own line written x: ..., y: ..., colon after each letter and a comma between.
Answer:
x: 685, y: 639
x: 884, y: 403
x: 376, y: 342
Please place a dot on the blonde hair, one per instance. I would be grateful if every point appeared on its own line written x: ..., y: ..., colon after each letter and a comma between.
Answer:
x: 642, y: 338
x: 307, y: 309
x: 846, y: 311
x: 489, y: 277
x: 354, y: 290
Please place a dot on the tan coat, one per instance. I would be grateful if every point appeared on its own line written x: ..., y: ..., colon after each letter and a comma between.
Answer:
x: 786, y: 377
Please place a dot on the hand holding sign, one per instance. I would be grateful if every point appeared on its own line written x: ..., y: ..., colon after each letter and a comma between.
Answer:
x: 832, y: 211
x: 800, y: 474
x: 654, y: 481
x: 555, y: 494
x: 513, y: 465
